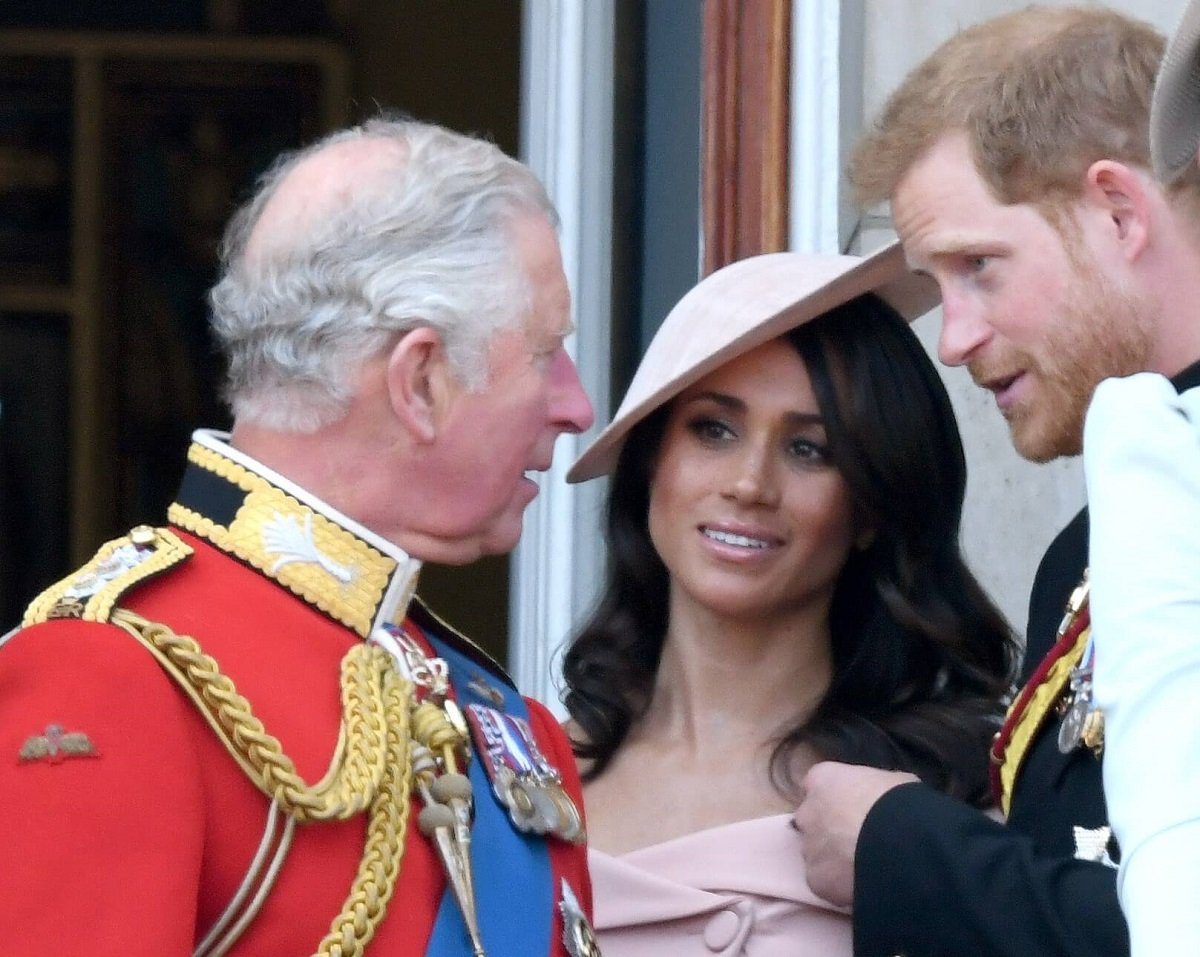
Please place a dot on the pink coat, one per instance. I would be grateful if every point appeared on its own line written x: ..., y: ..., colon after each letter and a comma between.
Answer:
x: 737, y: 890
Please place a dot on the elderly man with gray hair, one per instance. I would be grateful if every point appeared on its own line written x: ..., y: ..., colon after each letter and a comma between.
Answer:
x: 240, y: 732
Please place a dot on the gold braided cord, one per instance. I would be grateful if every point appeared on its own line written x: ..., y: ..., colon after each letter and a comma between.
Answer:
x: 132, y: 624
x: 432, y: 728
x: 353, y: 780
x: 371, y: 765
x: 379, y: 870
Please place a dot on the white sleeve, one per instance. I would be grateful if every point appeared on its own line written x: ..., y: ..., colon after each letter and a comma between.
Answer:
x: 1142, y: 465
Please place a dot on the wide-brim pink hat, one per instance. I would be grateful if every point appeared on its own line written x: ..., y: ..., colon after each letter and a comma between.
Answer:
x: 1175, y: 109
x: 739, y: 307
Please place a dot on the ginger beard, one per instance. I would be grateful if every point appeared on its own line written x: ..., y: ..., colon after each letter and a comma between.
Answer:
x: 1100, y: 330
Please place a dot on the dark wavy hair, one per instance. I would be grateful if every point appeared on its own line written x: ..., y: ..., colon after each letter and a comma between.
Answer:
x: 921, y: 656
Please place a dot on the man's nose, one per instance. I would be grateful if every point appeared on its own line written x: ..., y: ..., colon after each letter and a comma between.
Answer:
x: 570, y: 407
x: 963, y: 330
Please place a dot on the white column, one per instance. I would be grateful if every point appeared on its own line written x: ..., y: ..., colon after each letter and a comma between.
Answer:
x: 826, y: 97
x: 566, y: 138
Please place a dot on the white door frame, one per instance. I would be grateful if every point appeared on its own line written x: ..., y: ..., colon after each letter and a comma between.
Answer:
x: 566, y: 136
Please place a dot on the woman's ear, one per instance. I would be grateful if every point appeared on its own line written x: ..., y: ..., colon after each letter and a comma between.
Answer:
x: 865, y: 525
x: 418, y: 382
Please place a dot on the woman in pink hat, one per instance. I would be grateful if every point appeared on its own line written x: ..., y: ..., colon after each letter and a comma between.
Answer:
x: 785, y: 586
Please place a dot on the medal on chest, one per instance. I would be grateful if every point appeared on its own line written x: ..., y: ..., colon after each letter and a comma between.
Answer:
x: 440, y: 751
x: 1082, y: 722
x: 1062, y: 684
x: 527, y: 784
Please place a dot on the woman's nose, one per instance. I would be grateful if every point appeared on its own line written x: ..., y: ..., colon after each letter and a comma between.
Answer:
x: 753, y: 479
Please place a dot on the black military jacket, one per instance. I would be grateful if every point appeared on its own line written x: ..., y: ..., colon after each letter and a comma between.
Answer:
x: 936, y: 878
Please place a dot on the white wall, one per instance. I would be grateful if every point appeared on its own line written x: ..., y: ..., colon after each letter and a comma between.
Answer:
x: 1013, y: 508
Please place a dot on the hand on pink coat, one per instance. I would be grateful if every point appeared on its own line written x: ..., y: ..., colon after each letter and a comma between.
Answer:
x: 835, y: 802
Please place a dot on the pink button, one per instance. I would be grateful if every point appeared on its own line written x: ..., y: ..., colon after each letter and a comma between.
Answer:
x: 721, y: 930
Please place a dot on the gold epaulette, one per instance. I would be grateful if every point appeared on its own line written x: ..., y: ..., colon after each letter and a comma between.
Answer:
x: 371, y: 768
x: 92, y: 592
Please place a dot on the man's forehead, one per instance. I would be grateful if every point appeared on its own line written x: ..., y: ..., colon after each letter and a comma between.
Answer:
x: 939, y: 197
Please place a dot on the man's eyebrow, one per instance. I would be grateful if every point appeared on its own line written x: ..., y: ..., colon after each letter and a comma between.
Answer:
x: 958, y: 244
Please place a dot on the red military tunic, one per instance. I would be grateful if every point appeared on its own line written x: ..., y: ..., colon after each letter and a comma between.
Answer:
x: 129, y: 826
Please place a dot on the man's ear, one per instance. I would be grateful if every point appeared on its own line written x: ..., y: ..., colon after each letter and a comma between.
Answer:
x: 420, y: 382
x: 1119, y: 192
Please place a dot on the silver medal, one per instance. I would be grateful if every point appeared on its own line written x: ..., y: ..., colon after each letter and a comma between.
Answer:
x: 578, y: 937
x: 1092, y: 732
x: 1070, y: 732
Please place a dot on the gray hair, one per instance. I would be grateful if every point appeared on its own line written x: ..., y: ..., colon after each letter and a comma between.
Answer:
x: 428, y: 244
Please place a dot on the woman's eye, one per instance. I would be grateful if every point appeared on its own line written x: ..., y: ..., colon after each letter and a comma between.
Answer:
x: 809, y: 451
x: 710, y: 430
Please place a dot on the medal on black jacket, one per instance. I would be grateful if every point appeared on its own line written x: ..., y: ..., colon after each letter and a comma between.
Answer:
x: 1082, y: 722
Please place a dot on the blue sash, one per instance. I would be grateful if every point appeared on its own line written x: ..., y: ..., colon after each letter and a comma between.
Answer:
x: 514, y: 883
